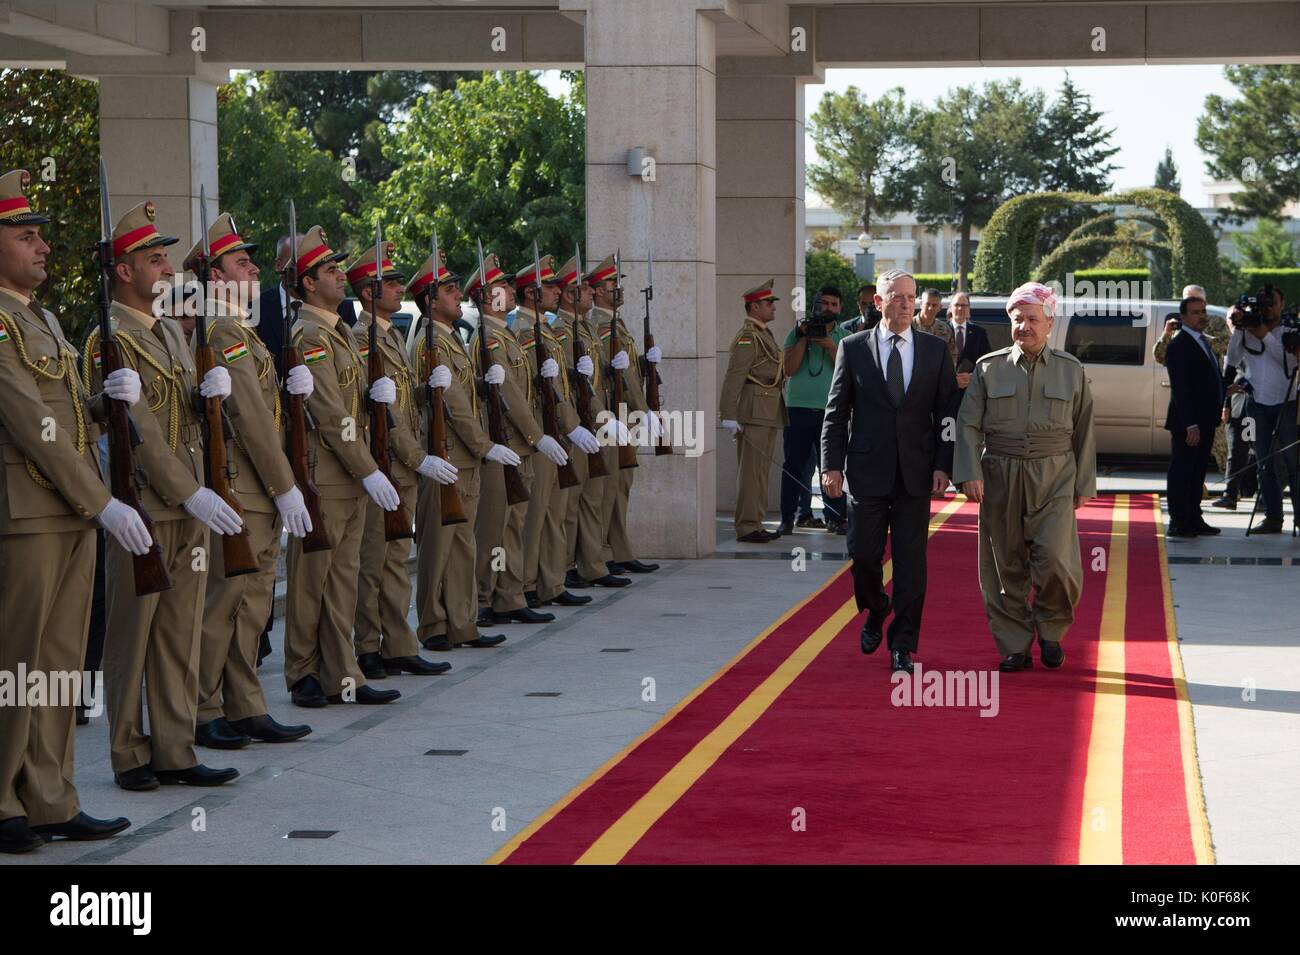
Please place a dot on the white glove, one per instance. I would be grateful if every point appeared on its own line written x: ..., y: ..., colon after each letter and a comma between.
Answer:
x: 502, y: 455
x: 549, y: 369
x: 440, y: 377
x: 444, y: 472
x: 123, y: 385
x: 495, y: 375
x: 653, y: 354
x: 612, y: 432
x: 733, y: 426
x: 656, y: 426
x: 584, y: 366
x: 585, y: 440
x: 620, y: 360
x: 300, y: 382
x: 124, y: 523
x: 292, y: 508
x: 383, y: 391
x: 207, y: 506
x: 551, y: 448
x: 381, y: 490
x: 216, y: 383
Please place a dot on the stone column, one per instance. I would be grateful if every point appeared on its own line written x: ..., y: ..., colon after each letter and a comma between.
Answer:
x: 760, y: 221
x: 650, y: 83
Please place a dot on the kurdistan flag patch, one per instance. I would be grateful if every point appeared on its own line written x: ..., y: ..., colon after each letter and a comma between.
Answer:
x: 364, y: 351
x: 313, y: 355
x: 4, y: 333
x: 234, y: 352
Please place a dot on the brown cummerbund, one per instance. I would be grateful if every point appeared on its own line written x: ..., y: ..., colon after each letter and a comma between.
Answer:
x: 1032, y: 444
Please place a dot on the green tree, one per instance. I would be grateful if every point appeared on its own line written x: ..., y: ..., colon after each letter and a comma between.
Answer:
x: 823, y: 267
x: 1167, y: 174
x: 266, y: 158
x: 1076, y: 154
x: 1255, y: 139
x: 1268, y: 247
x: 498, y: 159
x: 977, y: 149
x: 347, y: 111
x: 52, y: 131
x: 1161, y: 261
x: 865, y: 153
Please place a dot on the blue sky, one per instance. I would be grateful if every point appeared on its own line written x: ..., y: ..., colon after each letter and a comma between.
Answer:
x: 1149, y: 107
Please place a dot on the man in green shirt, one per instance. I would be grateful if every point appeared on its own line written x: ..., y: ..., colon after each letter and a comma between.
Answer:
x: 809, y: 363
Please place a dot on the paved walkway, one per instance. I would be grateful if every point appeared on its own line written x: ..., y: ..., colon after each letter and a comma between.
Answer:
x: 465, y: 760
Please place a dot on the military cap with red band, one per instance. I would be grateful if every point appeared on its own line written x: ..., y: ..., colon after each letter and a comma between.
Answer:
x: 313, y: 250
x: 363, y: 269
x: 604, y: 270
x: 524, y: 277
x: 135, y: 231
x: 568, y: 273
x: 424, y: 277
x: 494, y: 274
x: 222, y: 238
x: 762, y: 293
x: 14, y: 208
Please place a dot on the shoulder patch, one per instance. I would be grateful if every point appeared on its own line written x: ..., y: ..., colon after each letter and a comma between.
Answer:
x: 313, y: 355
x: 4, y: 332
x: 235, y: 352
x: 744, y: 338
x: 364, y: 350
x: 493, y: 343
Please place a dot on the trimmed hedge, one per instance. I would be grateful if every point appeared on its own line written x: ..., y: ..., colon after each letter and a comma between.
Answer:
x: 1288, y: 280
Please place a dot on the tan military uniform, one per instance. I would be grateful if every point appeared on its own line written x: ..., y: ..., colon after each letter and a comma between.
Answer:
x: 384, y: 587
x: 322, y: 587
x: 49, y: 492
x: 546, y: 552
x: 500, y: 525
x: 618, y: 546
x: 940, y: 329
x: 152, y: 645
x: 1032, y: 421
x: 236, y: 608
x: 446, y: 592
x: 1217, y: 334
x: 753, y: 394
x: 583, y: 519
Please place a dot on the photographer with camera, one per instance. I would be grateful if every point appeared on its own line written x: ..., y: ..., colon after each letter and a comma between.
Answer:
x: 809, y: 363
x: 868, y: 315
x: 1268, y: 350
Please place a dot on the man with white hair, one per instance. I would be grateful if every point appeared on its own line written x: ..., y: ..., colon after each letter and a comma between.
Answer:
x: 1029, y: 411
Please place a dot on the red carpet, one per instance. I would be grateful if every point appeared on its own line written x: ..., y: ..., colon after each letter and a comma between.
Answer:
x: 796, y: 752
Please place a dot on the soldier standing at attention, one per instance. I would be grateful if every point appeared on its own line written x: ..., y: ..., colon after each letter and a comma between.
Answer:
x: 1029, y: 409
x: 47, y: 540
x: 753, y: 410
x: 927, y: 320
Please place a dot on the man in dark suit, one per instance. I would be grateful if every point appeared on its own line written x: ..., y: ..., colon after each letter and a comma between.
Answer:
x: 971, y: 340
x: 889, y: 396
x: 273, y: 301
x: 1195, y: 404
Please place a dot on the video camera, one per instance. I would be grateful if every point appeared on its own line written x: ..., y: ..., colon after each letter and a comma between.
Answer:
x: 1252, y: 310
x: 819, y: 324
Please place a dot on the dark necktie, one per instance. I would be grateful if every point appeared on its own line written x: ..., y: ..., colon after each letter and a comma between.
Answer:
x: 894, y: 372
x: 961, y: 339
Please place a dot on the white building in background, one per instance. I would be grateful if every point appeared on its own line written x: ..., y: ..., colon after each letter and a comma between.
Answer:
x: 1218, y: 197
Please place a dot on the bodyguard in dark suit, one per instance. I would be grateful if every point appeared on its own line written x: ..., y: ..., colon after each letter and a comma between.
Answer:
x: 972, y: 341
x: 891, y: 391
x: 1195, y: 405
x: 271, y: 304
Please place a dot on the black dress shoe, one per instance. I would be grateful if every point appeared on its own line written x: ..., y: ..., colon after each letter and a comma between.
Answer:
x: 533, y: 601
x: 1269, y: 525
x: 637, y: 567
x: 609, y: 580
x: 760, y: 536
x: 138, y: 780
x: 218, y: 734
x: 524, y: 615
x: 82, y: 828
x: 367, y: 696
x: 416, y: 666
x: 17, y: 837
x: 1050, y: 652
x: 566, y: 599
x: 1177, y: 531
x: 837, y: 527
x: 440, y: 643
x: 1208, y: 530
x: 1013, y: 662
x: 1225, y: 502
x: 266, y: 730
x: 485, y: 641
x: 486, y: 617
x: 199, y: 775
x: 900, y: 661
x: 308, y: 692
x: 785, y: 528
x: 814, y: 523
x: 575, y: 581
x: 614, y: 567
x: 873, y: 630
x: 372, y: 666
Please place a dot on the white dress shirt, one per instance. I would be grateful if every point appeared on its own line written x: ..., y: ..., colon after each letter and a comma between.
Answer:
x: 885, y: 344
x: 1267, y: 364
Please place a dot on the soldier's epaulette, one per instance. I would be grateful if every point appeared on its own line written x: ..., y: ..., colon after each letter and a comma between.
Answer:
x: 1056, y: 352
x: 993, y: 354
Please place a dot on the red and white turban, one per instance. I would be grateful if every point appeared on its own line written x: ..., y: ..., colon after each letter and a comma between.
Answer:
x: 1035, y: 293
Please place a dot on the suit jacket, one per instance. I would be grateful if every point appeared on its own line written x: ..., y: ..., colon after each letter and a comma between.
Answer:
x: 977, y: 343
x: 270, y: 323
x: 1195, y: 386
x: 878, y: 439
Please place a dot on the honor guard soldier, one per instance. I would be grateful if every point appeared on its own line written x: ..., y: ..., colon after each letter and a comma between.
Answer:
x: 51, y: 491
x: 583, y: 527
x: 384, y: 641
x: 232, y: 708
x: 753, y: 410
x: 927, y: 320
x: 546, y: 552
x: 1029, y: 411
x: 607, y: 296
x: 500, y: 524
x: 152, y: 643
x: 321, y: 603
x: 446, y: 592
